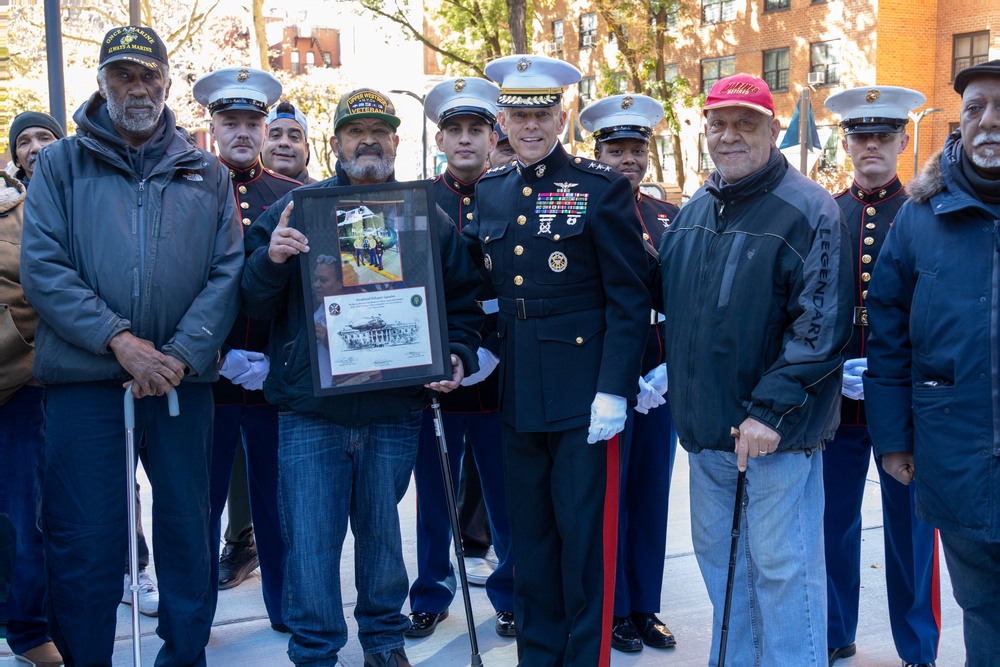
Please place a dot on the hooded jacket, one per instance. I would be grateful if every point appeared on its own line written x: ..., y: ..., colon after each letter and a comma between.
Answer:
x: 756, y: 279
x: 274, y: 291
x: 933, y: 379
x: 121, y: 239
x: 17, y: 319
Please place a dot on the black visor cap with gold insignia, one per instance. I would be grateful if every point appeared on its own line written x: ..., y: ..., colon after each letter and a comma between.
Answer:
x: 622, y: 132
x: 237, y: 104
x: 873, y: 125
x: 487, y: 117
x: 137, y: 44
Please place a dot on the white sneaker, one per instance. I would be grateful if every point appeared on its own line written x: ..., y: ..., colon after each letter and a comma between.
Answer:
x: 149, y: 596
x: 478, y: 570
x: 491, y: 557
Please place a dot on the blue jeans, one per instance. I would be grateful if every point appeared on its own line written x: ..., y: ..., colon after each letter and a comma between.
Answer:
x: 21, y: 447
x: 778, y: 615
x: 85, y: 519
x: 973, y: 567
x: 327, y: 474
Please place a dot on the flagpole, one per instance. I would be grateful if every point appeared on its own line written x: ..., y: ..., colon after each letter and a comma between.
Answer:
x: 804, y: 130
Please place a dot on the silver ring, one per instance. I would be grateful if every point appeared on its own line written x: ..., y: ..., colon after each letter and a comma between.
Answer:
x: 761, y: 451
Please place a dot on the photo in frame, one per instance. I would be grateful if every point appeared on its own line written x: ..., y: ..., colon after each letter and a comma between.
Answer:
x: 373, y: 276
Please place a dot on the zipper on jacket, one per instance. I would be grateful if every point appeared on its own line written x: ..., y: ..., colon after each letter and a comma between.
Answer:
x: 141, y: 231
x: 994, y: 343
x: 142, y: 186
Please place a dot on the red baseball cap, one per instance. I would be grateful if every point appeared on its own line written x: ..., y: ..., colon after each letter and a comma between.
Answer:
x: 741, y: 90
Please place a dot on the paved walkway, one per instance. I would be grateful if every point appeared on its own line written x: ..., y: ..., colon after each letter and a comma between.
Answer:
x: 242, y: 636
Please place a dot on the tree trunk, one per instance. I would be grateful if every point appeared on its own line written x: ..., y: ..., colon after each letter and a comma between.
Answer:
x: 260, y: 35
x: 516, y: 12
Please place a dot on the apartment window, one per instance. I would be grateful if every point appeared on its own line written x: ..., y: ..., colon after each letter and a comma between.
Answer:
x: 705, y: 163
x: 776, y: 69
x: 310, y: 60
x: 665, y: 147
x: 772, y: 5
x: 824, y: 57
x: 671, y: 13
x: 556, y: 46
x: 969, y: 49
x: 670, y: 72
x: 619, y: 81
x: 718, y: 11
x: 713, y: 69
x: 588, y: 91
x: 327, y: 59
x: 588, y: 30
x: 296, y: 64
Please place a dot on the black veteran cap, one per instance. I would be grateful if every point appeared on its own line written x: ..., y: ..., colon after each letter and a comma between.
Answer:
x: 462, y: 97
x: 962, y: 79
x: 137, y: 44
x: 365, y: 103
x: 531, y: 81
x: 237, y: 89
x: 622, y: 117
x: 875, y: 109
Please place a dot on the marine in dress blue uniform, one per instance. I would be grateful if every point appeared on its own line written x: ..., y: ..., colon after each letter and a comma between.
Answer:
x: 622, y: 125
x: 874, y: 123
x: 559, y: 240
x: 243, y: 418
x: 470, y: 413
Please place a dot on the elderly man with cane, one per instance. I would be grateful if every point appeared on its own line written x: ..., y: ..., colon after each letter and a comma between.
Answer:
x: 755, y: 276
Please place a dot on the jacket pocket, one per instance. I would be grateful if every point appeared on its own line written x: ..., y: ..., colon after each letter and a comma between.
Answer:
x: 571, y: 348
x: 562, y: 253
x: 15, y: 352
x: 496, y: 255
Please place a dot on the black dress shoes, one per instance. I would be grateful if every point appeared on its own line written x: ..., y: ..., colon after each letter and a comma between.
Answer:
x: 624, y: 636
x: 836, y: 654
x: 423, y: 624
x: 652, y: 631
x: 505, y: 623
x: 394, y: 658
x: 919, y: 664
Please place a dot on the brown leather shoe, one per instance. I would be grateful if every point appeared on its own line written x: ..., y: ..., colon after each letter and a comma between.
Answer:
x: 43, y: 655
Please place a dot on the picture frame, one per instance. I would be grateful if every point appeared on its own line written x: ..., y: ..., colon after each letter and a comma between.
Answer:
x: 374, y: 282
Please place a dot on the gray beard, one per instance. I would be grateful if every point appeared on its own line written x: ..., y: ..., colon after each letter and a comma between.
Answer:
x: 142, y: 126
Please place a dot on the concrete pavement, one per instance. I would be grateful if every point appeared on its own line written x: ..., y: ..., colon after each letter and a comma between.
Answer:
x: 242, y: 636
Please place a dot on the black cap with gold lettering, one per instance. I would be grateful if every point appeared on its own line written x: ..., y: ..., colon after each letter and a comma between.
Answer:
x: 137, y: 44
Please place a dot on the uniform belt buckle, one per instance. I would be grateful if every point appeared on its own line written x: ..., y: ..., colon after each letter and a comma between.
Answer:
x: 521, y: 312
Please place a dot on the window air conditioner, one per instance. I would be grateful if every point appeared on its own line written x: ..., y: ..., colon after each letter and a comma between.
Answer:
x: 817, y: 78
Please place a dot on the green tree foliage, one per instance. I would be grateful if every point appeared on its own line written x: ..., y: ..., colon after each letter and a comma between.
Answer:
x: 642, y: 31
x: 465, y: 34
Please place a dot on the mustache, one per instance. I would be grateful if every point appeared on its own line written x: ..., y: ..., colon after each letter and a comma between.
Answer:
x: 373, y: 149
x: 987, y: 138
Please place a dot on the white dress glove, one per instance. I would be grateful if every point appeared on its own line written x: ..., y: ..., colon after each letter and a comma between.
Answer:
x: 651, y: 389
x: 853, y: 387
x: 487, y: 362
x: 607, y: 417
x: 247, y: 369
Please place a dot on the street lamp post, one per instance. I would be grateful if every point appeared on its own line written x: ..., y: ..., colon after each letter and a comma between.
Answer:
x: 917, y: 117
x: 423, y: 126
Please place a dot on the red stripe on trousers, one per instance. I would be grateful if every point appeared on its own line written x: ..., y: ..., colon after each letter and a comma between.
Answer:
x: 936, y: 589
x: 610, y: 548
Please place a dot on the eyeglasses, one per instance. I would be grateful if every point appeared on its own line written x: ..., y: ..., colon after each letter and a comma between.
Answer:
x: 326, y: 259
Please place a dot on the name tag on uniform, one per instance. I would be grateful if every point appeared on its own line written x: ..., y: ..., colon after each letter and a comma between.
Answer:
x: 860, y: 316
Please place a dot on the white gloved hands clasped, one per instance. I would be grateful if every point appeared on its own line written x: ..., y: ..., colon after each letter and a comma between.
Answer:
x: 853, y: 387
x: 245, y: 368
x: 607, y: 417
x: 652, y: 387
x: 487, y: 363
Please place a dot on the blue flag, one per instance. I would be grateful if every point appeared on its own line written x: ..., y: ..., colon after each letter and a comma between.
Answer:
x: 792, y: 135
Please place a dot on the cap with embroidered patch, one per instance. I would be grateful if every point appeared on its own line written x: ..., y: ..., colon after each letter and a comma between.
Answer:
x: 137, y: 44
x: 741, y: 90
x: 365, y: 103
x: 874, y: 109
x: 530, y: 80
x: 237, y: 89
x: 622, y: 117
x: 461, y: 97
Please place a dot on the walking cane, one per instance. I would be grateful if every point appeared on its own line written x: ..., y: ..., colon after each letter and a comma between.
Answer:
x: 456, y: 530
x: 741, y: 481
x: 133, y: 541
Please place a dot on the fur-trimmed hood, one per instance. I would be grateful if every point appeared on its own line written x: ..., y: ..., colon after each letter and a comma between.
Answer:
x: 929, y: 182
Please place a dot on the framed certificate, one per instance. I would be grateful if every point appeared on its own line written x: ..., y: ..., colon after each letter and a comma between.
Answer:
x: 373, y: 275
